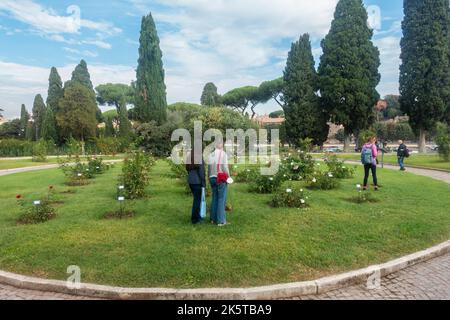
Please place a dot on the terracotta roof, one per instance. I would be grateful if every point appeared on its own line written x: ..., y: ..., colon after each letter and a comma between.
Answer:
x: 265, y: 119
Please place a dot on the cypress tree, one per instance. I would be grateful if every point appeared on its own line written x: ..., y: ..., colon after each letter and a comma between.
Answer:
x: 24, y: 119
x: 348, y: 71
x: 304, y: 116
x: 55, y: 90
x: 109, y: 127
x: 38, y: 116
x: 151, y: 101
x: 48, y: 131
x: 210, y: 97
x: 424, y: 70
x: 82, y: 76
x: 124, y: 123
x: 77, y: 112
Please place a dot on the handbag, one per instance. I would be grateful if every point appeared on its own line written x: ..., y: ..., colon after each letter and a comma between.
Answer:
x: 203, y: 205
x: 222, y: 177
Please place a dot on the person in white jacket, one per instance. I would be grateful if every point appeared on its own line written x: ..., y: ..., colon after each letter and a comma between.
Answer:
x: 218, y: 162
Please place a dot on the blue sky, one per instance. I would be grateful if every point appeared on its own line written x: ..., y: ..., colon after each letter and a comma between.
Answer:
x: 230, y: 42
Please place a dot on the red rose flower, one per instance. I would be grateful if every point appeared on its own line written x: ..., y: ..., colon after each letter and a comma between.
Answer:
x: 19, y: 196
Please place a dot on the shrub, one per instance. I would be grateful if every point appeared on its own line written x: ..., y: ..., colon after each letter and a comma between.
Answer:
x: 290, y: 197
x: 77, y: 173
x: 297, y: 167
x: 265, y: 184
x: 15, y: 148
x: 40, y: 151
x: 443, y: 141
x: 135, y: 175
x: 339, y: 169
x: 35, y: 212
x: 96, y: 165
x: 246, y: 175
x: 323, y: 181
x: 363, y: 196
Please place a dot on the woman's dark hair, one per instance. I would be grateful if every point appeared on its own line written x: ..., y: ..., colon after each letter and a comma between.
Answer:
x: 191, y: 165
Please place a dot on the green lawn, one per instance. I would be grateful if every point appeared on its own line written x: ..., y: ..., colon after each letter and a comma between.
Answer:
x: 159, y: 247
x: 20, y: 163
x: 426, y: 161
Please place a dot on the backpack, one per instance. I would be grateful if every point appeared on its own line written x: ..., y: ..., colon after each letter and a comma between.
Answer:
x: 366, y: 155
x: 407, y: 153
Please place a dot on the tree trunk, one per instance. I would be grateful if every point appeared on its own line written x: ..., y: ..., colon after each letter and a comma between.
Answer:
x: 347, y: 141
x: 422, y: 141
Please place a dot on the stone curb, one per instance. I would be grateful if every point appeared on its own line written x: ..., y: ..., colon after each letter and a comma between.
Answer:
x: 279, y: 291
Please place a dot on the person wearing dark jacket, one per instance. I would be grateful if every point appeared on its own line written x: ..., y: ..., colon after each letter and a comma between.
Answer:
x: 196, y: 180
x: 401, y: 155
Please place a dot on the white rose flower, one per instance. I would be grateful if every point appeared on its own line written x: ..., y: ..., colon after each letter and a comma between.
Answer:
x: 302, y: 201
x: 358, y: 186
x: 289, y: 190
x: 121, y: 198
x: 79, y: 175
x: 121, y: 187
x: 36, y: 203
x: 271, y: 179
x: 314, y: 180
x: 330, y: 175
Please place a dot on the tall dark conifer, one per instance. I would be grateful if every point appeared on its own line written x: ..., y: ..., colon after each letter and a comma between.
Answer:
x: 304, y: 115
x: 38, y: 116
x: 424, y: 72
x: 348, y: 69
x: 151, y: 101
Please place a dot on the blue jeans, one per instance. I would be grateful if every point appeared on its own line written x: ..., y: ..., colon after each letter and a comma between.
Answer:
x: 219, y: 201
x: 401, y: 162
x: 197, y: 194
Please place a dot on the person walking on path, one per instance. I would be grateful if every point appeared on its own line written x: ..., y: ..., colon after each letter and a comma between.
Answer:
x: 218, y: 172
x: 402, y: 153
x: 196, y: 180
x: 369, y: 155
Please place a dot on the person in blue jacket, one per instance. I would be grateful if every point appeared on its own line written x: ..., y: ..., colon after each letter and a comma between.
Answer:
x: 196, y: 180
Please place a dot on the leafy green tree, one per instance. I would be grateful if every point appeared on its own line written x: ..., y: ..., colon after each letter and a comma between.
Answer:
x: 210, y: 97
x: 304, y: 116
x: 272, y: 90
x: 24, y: 119
x: 118, y: 95
x: 77, y: 116
x: 277, y: 114
x: 240, y: 99
x: 38, y: 116
x: 1, y: 110
x: 348, y: 71
x: 48, y: 131
x: 424, y: 72
x: 11, y: 129
x: 151, y: 100
x: 393, y: 107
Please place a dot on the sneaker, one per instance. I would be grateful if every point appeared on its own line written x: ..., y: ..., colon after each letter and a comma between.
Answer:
x: 222, y: 224
x: 376, y: 188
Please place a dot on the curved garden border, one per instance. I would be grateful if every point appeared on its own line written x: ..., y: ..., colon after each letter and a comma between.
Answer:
x: 279, y: 291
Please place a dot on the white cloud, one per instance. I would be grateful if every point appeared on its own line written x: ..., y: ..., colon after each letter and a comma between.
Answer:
x: 20, y: 83
x: 230, y: 42
x: 48, y: 21
x: 390, y: 50
x: 99, y: 43
x: 82, y: 53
